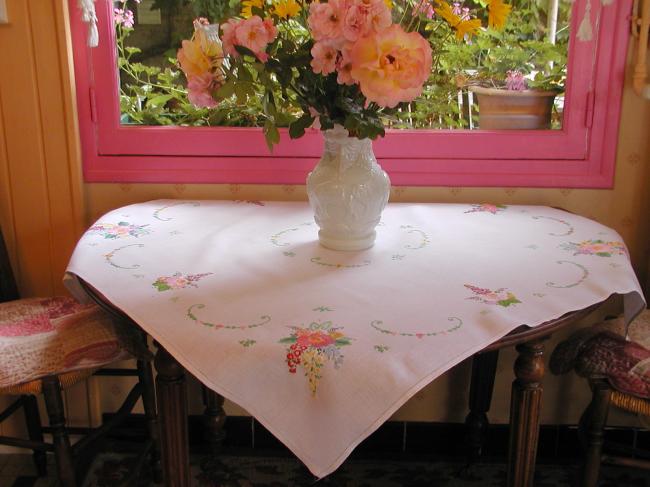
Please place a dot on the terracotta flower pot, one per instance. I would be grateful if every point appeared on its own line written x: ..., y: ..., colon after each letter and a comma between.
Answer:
x: 506, y: 109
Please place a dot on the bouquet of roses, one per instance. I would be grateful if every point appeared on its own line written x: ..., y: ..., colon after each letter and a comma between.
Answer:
x: 345, y: 62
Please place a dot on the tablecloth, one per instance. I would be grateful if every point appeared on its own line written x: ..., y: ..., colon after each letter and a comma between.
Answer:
x: 323, y: 346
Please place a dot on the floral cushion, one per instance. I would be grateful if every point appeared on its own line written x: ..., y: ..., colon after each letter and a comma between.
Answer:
x: 603, y: 351
x: 52, y: 336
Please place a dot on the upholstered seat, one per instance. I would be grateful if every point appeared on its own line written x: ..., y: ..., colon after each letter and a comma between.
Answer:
x: 616, y: 361
x: 48, y: 344
x: 57, y: 336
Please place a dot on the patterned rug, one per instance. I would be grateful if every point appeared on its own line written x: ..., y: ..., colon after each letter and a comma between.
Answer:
x: 111, y: 469
x: 237, y: 471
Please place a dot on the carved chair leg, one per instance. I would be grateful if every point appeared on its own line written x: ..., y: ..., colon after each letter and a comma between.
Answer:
x: 484, y: 366
x: 214, y: 418
x: 56, y: 414
x: 35, y: 432
x: 153, y: 428
x: 525, y: 413
x: 592, y: 425
x: 172, y: 404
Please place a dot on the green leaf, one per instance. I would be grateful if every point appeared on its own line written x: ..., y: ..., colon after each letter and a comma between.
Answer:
x: 244, y: 51
x: 297, y: 128
x: 227, y: 90
x: 271, y: 134
x: 159, y: 101
x: 268, y: 104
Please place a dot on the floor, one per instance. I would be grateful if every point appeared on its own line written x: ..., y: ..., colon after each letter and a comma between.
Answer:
x: 109, y: 469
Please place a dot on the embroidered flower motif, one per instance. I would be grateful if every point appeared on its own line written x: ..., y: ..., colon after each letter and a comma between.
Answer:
x: 501, y: 296
x: 122, y: 229
x: 311, y: 347
x: 178, y: 281
x: 486, y: 208
x: 247, y: 343
x: 595, y: 247
x: 381, y: 348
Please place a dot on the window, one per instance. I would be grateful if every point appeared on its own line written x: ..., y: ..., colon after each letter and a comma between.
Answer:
x: 579, y: 154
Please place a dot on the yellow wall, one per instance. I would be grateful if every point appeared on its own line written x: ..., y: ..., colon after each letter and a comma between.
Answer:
x: 43, y: 205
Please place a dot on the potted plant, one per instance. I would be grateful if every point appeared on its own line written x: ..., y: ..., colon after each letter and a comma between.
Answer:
x: 516, y: 74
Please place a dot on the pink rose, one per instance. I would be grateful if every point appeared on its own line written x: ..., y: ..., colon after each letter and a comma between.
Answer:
x: 200, y: 88
x: 252, y: 33
x: 355, y: 24
x: 379, y: 15
x: 344, y: 68
x: 324, y: 57
x: 391, y: 66
x: 326, y: 20
x: 228, y: 37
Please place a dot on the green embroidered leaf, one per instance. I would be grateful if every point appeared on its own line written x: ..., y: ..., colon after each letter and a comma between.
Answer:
x: 288, y: 340
x: 161, y: 286
x: 507, y: 302
x: 342, y: 341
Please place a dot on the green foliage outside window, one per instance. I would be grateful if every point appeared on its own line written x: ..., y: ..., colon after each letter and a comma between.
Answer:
x: 155, y: 94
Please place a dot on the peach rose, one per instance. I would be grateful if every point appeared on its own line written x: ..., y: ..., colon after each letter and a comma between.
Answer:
x: 391, y: 66
x: 192, y: 59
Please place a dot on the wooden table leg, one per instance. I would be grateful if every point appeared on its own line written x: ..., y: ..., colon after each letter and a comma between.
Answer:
x: 214, y: 418
x: 484, y: 367
x: 172, y: 406
x: 525, y: 409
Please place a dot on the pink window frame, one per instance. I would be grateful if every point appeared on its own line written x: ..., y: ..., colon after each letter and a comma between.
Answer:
x: 582, y: 154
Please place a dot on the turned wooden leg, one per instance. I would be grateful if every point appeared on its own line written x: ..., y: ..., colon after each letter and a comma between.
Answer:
x: 525, y: 412
x: 214, y: 418
x: 593, y: 423
x: 35, y: 432
x: 62, y: 450
x: 172, y: 406
x: 484, y: 367
x: 151, y: 415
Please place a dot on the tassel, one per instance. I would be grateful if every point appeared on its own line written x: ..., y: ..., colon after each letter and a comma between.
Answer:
x: 89, y: 16
x: 585, y: 31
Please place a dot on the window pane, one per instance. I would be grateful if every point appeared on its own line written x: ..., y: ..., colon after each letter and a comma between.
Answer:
x: 533, y: 48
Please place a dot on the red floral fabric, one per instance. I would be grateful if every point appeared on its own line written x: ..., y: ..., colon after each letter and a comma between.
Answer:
x: 604, y: 351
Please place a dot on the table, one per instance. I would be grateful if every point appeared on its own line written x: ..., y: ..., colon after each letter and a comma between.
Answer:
x: 227, y: 288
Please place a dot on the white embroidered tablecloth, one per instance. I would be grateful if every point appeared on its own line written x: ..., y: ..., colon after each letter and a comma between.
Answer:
x: 323, y: 346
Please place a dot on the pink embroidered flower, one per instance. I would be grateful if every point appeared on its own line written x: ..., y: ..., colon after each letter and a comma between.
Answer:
x: 596, y: 247
x: 324, y: 57
x: 200, y: 89
x: 500, y: 297
x: 325, y: 20
x: 315, y: 339
x: 391, y: 66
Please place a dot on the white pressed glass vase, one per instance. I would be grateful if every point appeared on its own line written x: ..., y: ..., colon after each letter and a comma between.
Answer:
x: 347, y: 191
